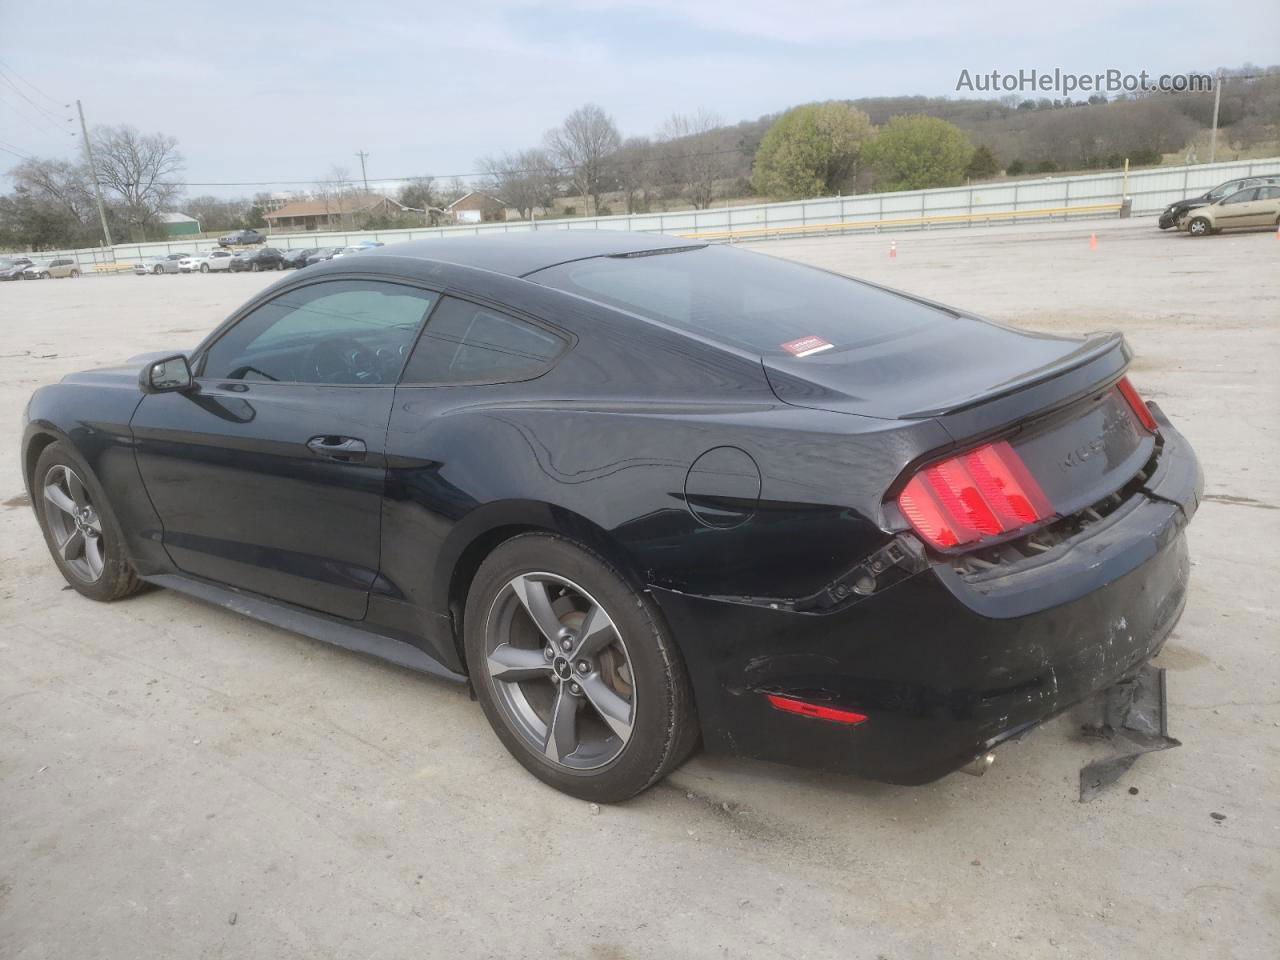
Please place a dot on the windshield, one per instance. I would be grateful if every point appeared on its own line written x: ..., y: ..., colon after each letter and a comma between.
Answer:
x: 753, y: 301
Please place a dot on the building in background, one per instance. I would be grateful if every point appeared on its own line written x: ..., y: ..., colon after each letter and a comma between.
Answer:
x: 477, y: 207
x: 346, y: 212
x: 179, y: 225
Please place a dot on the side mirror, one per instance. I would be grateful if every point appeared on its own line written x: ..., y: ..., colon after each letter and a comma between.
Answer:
x: 170, y: 375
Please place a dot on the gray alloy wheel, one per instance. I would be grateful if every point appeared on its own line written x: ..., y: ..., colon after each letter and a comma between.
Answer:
x: 561, y: 671
x: 204, y: 268
x: 74, y: 522
x: 253, y: 267
x: 1199, y: 227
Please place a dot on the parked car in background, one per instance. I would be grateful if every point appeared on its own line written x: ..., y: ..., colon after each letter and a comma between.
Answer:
x: 1176, y: 211
x: 58, y: 267
x: 169, y: 263
x: 1251, y: 207
x: 348, y: 251
x: 293, y: 259
x: 213, y: 260
x: 265, y: 258
x: 240, y: 237
x: 321, y: 254
x: 11, y: 268
x: 190, y: 263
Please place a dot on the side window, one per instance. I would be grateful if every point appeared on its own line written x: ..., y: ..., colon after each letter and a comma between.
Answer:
x: 1244, y: 196
x: 335, y: 331
x: 1269, y: 193
x: 467, y: 343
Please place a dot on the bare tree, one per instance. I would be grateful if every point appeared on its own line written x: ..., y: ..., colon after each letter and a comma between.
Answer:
x: 524, y: 180
x: 64, y: 185
x: 334, y: 190
x: 215, y: 214
x: 420, y: 194
x: 583, y: 146
x: 691, y: 160
x: 138, y: 168
x: 636, y: 172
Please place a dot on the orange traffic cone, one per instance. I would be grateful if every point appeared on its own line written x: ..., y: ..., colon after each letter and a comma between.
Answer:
x: 1093, y: 241
x: 893, y: 248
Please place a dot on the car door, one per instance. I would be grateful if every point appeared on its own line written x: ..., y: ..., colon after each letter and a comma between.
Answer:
x: 470, y: 354
x: 269, y: 476
x: 1235, y: 210
x: 1268, y: 206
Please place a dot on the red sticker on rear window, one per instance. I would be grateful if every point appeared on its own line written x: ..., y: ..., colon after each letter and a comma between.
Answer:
x: 806, y: 346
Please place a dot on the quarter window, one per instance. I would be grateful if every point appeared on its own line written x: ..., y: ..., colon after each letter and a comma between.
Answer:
x: 467, y: 343
x: 337, y: 331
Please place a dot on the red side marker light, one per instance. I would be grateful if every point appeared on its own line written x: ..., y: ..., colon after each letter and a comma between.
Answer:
x: 1140, y: 409
x: 815, y: 710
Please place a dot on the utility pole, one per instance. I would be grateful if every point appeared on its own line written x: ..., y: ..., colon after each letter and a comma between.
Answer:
x: 1217, y: 99
x: 93, y: 172
x: 364, y: 176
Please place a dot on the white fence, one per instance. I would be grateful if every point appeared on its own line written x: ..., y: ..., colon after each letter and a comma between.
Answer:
x: 1052, y: 198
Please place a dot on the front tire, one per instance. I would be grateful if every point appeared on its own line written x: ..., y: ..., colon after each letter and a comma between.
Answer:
x: 204, y: 268
x: 575, y: 670
x: 80, y: 527
x: 1199, y: 227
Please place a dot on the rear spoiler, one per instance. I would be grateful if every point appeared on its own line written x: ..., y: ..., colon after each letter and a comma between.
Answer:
x: 1099, y: 362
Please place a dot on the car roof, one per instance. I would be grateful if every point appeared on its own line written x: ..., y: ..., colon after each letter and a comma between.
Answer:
x: 519, y: 254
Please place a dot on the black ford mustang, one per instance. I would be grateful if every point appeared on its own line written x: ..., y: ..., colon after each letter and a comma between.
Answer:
x: 640, y: 492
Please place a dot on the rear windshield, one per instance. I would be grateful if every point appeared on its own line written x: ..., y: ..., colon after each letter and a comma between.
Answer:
x: 753, y: 301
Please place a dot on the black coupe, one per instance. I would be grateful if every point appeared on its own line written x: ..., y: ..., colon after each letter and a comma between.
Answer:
x: 641, y: 492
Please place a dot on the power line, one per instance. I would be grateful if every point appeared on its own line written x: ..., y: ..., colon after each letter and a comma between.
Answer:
x: 26, y: 114
x: 9, y: 148
x: 442, y: 176
x: 18, y: 90
x: 53, y: 100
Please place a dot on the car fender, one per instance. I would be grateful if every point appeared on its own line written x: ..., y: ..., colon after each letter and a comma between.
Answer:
x: 57, y: 413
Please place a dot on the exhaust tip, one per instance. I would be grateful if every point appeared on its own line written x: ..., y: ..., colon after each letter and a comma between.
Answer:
x: 979, y: 764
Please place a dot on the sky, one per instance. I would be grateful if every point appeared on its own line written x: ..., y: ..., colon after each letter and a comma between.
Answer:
x: 278, y: 92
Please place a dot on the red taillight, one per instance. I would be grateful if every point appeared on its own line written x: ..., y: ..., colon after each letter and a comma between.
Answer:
x: 815, y: 710
x: 983, y: 493
x: 1140, y: 409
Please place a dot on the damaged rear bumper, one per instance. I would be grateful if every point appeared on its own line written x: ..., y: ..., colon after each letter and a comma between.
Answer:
x: 944, y: 669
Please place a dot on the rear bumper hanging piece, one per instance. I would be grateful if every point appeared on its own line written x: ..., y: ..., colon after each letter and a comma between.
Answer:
x: 1132, y: 717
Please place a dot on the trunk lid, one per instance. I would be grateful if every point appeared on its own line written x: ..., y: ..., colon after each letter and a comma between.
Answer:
x: 931, y: 370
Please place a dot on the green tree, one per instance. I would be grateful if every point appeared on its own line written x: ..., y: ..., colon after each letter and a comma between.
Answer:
x: 916, y: 151
x: 253, y: 217
x: 982, y: 165
x: 811, y: 151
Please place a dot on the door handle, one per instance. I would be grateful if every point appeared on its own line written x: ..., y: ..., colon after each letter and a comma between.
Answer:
x: 342, y: 449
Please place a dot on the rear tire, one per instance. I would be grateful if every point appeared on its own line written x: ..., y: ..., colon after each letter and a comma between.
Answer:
x: 600, y: 719
x: 79, y: 526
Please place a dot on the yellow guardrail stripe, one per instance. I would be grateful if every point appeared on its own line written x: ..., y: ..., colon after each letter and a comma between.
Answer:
x: 901, y: 221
